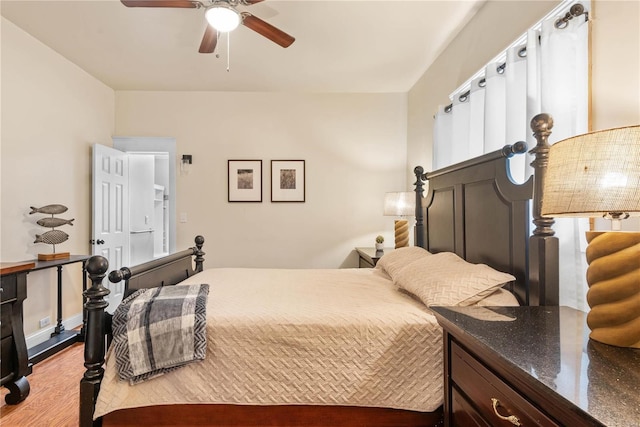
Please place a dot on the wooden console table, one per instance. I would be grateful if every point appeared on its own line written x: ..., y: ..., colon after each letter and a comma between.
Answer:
x: 60, y: 339
x: 15, y: 365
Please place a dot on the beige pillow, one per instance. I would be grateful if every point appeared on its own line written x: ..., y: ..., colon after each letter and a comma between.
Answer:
x: 393, y: 261
x: 499, y: 297
x: 447, y: 279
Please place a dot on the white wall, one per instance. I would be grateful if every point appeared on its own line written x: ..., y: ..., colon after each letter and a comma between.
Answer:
x: 615, y: 73
x: 52, y: 112
x: 615, y: 64
x: 354, y: 146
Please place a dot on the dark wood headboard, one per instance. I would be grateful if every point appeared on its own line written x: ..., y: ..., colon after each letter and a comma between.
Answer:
x: 474, y: 209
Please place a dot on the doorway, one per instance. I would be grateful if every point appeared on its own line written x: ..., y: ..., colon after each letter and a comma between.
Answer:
x: 149, y: 206
x: 163, y: 151
x: 135, y: 169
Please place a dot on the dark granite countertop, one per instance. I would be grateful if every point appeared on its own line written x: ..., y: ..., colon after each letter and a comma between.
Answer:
x: 552, y: 345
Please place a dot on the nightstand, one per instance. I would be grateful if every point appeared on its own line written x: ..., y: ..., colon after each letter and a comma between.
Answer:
x: 506, y: 366
x: 368, y: 257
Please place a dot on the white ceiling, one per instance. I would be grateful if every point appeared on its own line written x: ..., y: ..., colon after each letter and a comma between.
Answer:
x: 341, y: 45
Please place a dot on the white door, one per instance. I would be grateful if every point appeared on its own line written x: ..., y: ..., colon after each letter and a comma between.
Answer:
x: 111, y: 213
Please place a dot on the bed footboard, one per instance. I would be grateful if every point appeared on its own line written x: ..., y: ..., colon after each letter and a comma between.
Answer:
x: 167, y: 270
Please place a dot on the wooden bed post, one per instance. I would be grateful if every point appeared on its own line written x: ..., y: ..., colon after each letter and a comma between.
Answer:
x: 419, y: 230
x: 95, y: 305
x: 543, y: 245
x: 198, y: 253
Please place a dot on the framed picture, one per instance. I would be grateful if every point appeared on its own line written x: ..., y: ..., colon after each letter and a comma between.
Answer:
x: 245, y: 180
x: 287, y: 181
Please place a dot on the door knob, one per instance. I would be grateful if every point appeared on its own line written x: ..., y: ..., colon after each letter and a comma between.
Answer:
x: 98, y: 242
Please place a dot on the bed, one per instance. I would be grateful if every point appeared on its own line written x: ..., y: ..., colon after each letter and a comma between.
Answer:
x: 355, y: 346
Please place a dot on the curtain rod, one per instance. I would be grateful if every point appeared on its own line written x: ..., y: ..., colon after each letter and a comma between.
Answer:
x: 570, y: 12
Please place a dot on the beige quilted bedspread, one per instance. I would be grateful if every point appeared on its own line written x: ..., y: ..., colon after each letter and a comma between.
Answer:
x: 320, y: 337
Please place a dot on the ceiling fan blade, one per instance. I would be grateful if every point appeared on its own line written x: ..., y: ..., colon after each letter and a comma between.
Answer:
x: 250, y: 2
x: 187, y: 4
x: 267, y: 30
x: 209, y: 40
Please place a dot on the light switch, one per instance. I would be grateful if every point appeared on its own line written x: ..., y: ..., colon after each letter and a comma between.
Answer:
x: 183, y: 217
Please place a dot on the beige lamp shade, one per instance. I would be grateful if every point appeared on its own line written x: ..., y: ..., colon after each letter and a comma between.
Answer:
x: 598, y: 174
x: 594, y: 174
x: 401, y: 203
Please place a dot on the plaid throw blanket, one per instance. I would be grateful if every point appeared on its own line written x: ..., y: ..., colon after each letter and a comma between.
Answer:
x: 158, y: 330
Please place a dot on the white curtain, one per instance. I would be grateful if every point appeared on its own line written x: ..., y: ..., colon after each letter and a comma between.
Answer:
x: 564, y: 92
x: 548, y: 72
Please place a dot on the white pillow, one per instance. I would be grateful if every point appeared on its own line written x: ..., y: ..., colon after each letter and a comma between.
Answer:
x: 446, y: 279
x: 393, y: 261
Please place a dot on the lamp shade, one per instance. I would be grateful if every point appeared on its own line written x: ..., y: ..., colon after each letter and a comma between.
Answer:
x: 594, y: 174
x: 223, y: 18
x: 400, y: 203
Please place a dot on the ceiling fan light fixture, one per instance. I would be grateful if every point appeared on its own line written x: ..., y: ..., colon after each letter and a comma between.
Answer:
x: 223, y: 18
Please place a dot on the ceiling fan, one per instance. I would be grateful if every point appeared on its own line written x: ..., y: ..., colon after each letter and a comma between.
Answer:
x: 222, y: 16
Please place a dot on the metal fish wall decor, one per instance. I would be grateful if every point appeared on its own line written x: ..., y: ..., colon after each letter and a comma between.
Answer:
x: 54, y: 222
x: 49, y: 209
x: 52, y: 237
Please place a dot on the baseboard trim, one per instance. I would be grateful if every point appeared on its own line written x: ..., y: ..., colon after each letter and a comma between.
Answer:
x: 44, y: 334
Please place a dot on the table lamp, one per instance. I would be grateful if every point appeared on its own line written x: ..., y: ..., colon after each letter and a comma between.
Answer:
x: 400, y: 204
x: 598, y: 174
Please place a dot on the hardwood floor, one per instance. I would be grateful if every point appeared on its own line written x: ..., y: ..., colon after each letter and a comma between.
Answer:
x: 54, y: 397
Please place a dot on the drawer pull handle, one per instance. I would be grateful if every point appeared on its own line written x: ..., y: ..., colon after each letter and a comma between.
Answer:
x: 511, y: 418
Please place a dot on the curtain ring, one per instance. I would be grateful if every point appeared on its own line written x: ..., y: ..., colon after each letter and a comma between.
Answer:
x: 464, y: 97
x: 482, y: 82
x: 522, y: 53
x: 501, y: 68
x: 448, y: 108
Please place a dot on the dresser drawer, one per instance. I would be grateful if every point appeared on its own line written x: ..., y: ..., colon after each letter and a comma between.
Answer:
x: 9, y: 287
x: 479, y: 386
x: 463, y: 413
